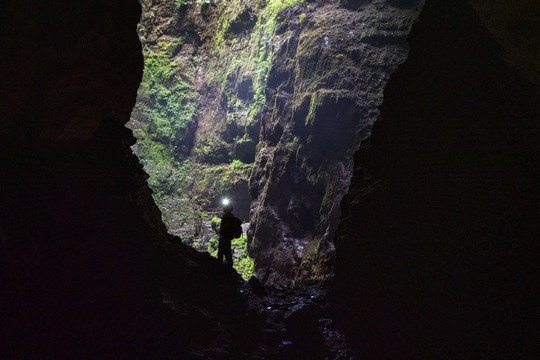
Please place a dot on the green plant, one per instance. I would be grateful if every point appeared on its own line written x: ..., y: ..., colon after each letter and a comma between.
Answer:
x: 213, y: 244
x: 242, y: 262
x: 215, y: 223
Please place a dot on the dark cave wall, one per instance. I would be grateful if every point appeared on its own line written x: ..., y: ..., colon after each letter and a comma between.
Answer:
x: 67, y: 67
x: 85, y: 261
x: 515, y: 25
x: 75, y: 262
x: 436, y: 248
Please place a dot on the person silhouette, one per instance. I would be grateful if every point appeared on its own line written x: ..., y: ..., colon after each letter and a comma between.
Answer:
x: 228, y: 230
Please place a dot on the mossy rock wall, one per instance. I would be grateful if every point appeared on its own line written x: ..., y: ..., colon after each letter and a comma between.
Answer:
x: 276, y: 93
x: 330, y: 62
x: 192, y: 134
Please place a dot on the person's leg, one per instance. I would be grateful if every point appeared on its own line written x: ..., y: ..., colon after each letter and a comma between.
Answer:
x: 220, y: 252
x: 228, y: 256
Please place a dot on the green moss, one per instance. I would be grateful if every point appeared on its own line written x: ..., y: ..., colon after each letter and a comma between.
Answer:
x: 215, y: 180
x: 213, y: 246
x: 165, y: 108
x: 277, y: 5
x: 235, y: 58
x: 318, y: 99
x: 229, y: 12
x: 311, y: 261
x: 215, y: 223
x: 165, y: 102
x: 167, y: 105
x: 241, y: 260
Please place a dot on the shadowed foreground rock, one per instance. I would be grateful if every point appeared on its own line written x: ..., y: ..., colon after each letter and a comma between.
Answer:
x: 437, y: 247
x: 87, y: 268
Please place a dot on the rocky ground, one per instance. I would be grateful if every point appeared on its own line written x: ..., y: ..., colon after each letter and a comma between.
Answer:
x: 229, y: 318
x: 273, y: 323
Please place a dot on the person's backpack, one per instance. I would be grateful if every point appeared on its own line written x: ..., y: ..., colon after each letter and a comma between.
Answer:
x: 237, y: 228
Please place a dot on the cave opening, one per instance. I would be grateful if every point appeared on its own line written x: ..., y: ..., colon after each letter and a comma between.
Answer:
x: 442, y: 264
x: 263, y: 103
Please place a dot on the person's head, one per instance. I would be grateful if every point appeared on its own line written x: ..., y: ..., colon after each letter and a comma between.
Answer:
x: 227, y: 206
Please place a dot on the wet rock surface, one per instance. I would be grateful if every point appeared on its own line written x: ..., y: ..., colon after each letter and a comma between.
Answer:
x: 303, y: 324
x: 329, y: 65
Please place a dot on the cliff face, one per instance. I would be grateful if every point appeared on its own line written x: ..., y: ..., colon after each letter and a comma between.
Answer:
x: 278, y: 93
x: 435, y: 250
x: 327, y: 74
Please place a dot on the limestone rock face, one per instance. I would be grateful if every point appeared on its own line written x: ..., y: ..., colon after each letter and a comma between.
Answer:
x: 192, y: 138
x: 329, y: 67
x: 286, y: 88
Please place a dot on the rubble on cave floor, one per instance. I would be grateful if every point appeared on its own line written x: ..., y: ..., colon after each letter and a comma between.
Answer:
x: 305, y: 323
x: 280, y: 323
